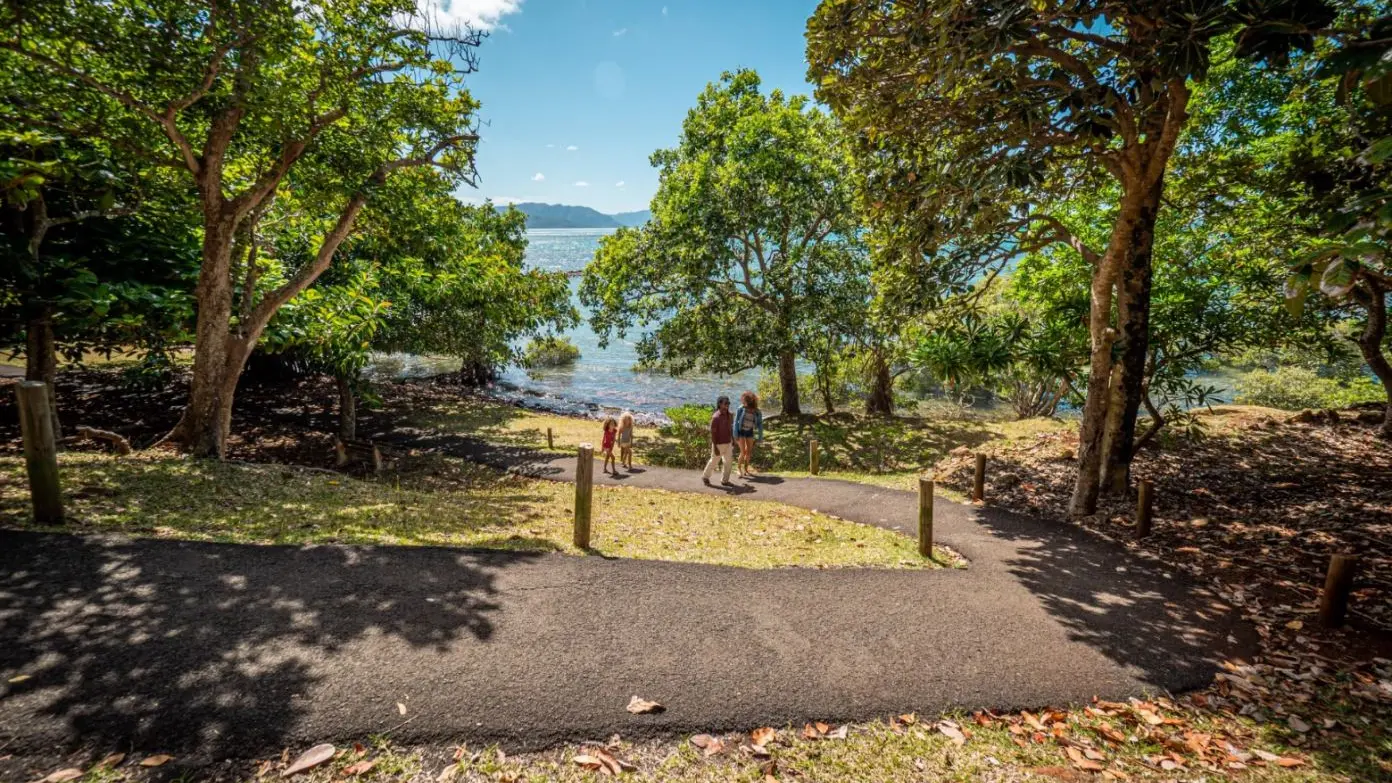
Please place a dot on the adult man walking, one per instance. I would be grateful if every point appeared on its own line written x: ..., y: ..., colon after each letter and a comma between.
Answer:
x: 722, y: 435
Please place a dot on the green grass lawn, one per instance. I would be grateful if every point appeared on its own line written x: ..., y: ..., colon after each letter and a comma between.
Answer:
x: 443, y: 502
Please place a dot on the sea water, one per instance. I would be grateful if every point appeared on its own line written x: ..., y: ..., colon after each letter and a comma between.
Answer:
x: 603, y: 380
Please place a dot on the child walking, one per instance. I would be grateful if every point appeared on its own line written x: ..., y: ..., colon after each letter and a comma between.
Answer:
x: 606, y: 446
x: 625, y: 439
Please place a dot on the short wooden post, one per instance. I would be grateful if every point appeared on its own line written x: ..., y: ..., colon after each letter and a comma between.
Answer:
x: 550, y: 442
x: 925, y: 517
x: 584, y: 493
x: 40, y: 451
x: 1144, y: 498
x: 1338, y: 583
x: 979, y: 483
x: 814, y: 459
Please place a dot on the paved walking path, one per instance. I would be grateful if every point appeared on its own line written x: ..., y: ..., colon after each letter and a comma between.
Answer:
x: 227, y: 650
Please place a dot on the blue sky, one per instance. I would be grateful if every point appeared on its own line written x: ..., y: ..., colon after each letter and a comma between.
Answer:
x: 583, y: 91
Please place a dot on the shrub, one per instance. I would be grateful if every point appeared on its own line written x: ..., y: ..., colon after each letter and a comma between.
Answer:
x: 550, y: 352
x: 1294, y: 388
x: 689, y: 428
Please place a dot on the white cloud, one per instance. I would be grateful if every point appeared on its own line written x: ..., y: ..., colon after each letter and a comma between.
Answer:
x: 507, y: 199
x: 582, y: 184
x: 664, y: 10
x: 549, y: 146
x: 618, y: 184
x: 479, y: 14
x: 538, y: 177
x: 572, y: 148
x: 619, y: 32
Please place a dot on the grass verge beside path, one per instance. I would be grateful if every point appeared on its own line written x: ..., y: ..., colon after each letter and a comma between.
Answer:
x: 443, y: 502
x: 1156, y: 740
x: 889, y: 452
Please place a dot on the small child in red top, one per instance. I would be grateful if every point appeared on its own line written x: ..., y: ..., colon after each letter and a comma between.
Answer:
x: 606, y: 446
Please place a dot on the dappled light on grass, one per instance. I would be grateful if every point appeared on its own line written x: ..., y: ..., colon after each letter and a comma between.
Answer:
x: 439, y: 501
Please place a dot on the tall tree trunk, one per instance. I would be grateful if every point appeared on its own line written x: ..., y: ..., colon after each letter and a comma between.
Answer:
x: 1133, y: 321
x: 41, y: 359
x: 1140, y: 170
x: 1094, y: 419
x: 881, y: 399
x: 201, y: 429
x: 1374, y: 298
x: 474, y: 373
x: 788, y: 383
x: 347, y: 410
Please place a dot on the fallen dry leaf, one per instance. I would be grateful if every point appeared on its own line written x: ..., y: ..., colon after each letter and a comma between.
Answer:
x: 20, y: 678
x: 448, y: 773
x: 639, y: 706
x: 809, y: 732
x: 360, y: 767
x: 910, y: 718
x: 112, y: 760
x: 63, y: 775
x: 838, y: 733
x: 822, y: 728
x: 1297, y: 724
x: 711, y: 745
x: 156, y: 760
x: 763, y: 736
x: 950, y: 730
x: 309, y: 759
x: 401, y: 708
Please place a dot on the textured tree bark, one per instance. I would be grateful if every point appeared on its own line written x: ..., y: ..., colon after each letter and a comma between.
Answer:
x: 881, y: 399
x: 1094, y: 419
x: 788, y: 383
x: 41, y: 360
x: 347, y: 410
x: 1140, y: 170
x: 1133, y: 321
x: 200, y: 429
x: 1374, y: 298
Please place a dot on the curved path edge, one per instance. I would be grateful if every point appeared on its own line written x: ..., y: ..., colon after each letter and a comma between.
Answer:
x: 230, y: 650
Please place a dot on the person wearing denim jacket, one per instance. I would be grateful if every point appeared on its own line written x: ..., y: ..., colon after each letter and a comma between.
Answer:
x: 749, y: 428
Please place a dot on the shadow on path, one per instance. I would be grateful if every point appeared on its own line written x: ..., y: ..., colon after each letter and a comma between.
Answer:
x: 178, y: 645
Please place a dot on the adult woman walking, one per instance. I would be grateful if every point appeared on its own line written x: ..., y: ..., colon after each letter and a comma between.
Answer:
x: 749, y: 427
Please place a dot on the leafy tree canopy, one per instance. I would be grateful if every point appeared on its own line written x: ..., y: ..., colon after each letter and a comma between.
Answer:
x: 753, y: 245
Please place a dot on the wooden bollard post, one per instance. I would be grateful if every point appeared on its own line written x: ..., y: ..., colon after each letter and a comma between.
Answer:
x: 584, y: 493
x: 1144, y: 499
x: 1338, y: 583
x: 979, y: 484
x: 40, y: 451
x: 814, y: 459
x: 925, y: 517
x: 550, y: 442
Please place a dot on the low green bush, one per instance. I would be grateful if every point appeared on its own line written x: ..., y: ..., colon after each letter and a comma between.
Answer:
x: 1296, y: 388
x: 550, y: 352
x: 689, y: 434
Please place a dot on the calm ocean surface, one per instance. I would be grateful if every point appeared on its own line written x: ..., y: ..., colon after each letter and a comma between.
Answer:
x: 603, y: 379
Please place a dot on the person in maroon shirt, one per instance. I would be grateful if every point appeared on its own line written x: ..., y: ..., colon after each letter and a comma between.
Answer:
x: 722, y: 435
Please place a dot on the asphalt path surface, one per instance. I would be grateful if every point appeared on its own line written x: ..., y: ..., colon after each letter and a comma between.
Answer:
x: 216, y: 651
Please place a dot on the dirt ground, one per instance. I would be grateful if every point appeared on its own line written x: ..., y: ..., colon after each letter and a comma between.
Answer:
x: 1259, y: 503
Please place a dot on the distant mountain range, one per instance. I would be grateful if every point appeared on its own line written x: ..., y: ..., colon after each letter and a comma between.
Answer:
x: 567, y: 216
